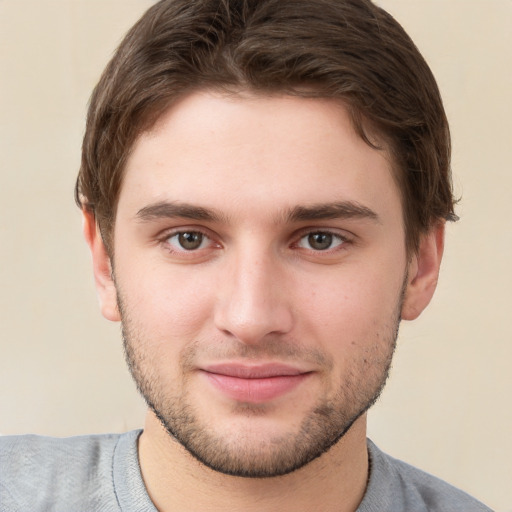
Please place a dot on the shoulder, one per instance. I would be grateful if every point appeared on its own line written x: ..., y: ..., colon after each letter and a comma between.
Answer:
x: 40, y: 472
x: 396, y: 486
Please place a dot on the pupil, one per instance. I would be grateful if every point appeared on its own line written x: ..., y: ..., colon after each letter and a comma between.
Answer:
x: 320, y: 241
x: 190, y: 241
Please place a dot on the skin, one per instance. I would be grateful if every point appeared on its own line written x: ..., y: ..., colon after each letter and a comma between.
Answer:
x: 296, y: 256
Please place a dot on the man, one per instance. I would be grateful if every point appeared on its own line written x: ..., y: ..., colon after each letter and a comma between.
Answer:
x: 264, y: 187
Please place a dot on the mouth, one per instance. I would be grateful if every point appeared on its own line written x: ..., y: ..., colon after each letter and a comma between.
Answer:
x: 254, y: 383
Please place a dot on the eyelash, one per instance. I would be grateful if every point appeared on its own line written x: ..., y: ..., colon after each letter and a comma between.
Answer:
x: 165, y: 240
x: 342, y: 241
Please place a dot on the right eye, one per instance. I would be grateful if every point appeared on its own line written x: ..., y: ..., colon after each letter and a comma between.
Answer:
x: 188, y: 241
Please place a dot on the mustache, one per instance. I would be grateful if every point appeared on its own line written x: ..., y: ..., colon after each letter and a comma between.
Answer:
x: 272, y: 348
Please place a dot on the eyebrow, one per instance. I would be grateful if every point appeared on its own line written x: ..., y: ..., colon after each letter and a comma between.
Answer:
x: 336, y: 210
x: 321, y: 211
x: 171, y: 210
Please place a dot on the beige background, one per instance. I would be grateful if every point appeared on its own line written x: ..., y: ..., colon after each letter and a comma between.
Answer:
x: 447, y: 408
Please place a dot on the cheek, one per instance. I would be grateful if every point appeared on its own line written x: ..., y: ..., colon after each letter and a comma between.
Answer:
x: 167, y: 306
x: 350, y: 313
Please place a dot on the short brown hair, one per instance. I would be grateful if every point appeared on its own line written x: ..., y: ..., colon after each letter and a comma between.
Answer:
x: 346, y: 49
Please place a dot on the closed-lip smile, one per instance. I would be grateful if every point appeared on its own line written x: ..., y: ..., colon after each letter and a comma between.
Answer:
x: 255, y: 383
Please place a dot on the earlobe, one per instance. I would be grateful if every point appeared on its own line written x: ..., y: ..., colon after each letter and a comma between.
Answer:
x: 102, y: 268
x: 423, y: 272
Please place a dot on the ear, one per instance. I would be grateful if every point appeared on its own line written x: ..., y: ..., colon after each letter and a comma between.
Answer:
x: 423, y: 272
x: 102, y: 267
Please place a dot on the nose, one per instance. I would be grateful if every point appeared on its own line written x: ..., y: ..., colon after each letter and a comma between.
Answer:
x: 253, y: 300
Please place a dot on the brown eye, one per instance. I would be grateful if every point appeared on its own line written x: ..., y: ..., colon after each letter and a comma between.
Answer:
x: 320, y: 241
x: 187, y: 240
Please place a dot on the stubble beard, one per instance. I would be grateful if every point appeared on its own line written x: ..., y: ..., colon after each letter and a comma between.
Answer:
x: 247, y: 454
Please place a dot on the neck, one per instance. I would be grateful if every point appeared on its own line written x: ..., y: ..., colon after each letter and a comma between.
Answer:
x: 177, y: 481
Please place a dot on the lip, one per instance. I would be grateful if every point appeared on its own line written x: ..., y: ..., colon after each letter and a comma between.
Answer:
x: 254, y: 383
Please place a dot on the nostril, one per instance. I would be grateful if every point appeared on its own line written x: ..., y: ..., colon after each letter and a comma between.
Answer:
x: 250, y: 326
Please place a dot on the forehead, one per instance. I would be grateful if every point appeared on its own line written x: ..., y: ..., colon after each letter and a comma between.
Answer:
x: 254, y: 154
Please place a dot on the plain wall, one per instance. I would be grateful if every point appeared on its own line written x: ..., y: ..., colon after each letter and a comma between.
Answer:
x: 447, y: 406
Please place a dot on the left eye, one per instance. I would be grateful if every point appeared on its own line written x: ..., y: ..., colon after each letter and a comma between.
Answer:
x: 188, y: 241
x: 320, y: 241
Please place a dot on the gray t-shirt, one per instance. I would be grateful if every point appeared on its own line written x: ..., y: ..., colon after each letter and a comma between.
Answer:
x: 101, y: 473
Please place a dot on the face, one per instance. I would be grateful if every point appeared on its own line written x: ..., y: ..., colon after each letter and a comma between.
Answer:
x: 260, y: 271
